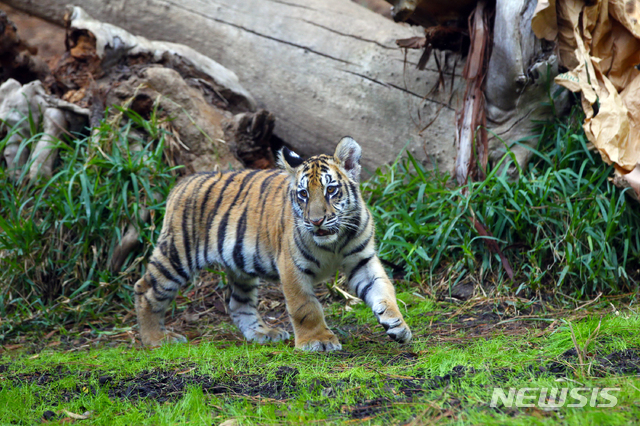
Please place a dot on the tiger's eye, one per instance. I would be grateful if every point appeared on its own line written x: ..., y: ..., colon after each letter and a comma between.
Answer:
x: 331, y: 190
x: 303, y: 193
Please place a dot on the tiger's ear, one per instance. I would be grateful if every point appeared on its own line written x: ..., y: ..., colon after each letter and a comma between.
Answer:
x: 288, y: 160
x: 348, y: 153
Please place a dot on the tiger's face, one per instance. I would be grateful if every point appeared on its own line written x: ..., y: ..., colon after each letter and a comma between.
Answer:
x: 324, y: 189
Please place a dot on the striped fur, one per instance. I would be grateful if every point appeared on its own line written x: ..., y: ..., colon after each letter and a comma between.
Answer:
x: 297, y: 224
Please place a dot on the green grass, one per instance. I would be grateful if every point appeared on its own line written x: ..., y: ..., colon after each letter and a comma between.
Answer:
x: 563, y: 226
x: 59, y: 234
x: 402, y: 383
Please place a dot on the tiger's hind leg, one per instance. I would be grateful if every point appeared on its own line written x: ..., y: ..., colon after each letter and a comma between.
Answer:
x: 243, y: 309
x: 151, y: 305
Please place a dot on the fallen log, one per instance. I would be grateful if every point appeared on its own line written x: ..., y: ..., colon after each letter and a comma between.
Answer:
x: 324, y: 69
x: 329, y: 68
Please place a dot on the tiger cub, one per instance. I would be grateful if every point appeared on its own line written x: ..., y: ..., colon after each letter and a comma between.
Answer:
x: 296, y: 224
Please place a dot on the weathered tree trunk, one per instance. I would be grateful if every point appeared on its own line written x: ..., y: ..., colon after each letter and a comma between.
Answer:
x: 521, y: 70
x: 516, y: 79
x: 324, y: 68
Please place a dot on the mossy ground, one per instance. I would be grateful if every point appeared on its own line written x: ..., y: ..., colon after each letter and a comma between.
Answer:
x: 460, y: 353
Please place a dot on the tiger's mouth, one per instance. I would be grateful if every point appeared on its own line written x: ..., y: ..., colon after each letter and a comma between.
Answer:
x: 324, y: 232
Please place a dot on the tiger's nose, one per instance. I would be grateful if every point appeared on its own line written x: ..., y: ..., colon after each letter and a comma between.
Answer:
x: 317, y: 222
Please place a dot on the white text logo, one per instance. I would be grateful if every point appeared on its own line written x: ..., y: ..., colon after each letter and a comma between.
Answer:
x: 552, y: 398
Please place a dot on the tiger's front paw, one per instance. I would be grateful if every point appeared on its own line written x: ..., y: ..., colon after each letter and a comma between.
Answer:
x: 266, y: 334
x: 391, y: 319
x: 325, y: 342
x: 154, y: 340
x: 398, y: 330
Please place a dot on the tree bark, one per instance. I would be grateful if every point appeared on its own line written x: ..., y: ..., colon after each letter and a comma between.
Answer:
x: 519, y: 79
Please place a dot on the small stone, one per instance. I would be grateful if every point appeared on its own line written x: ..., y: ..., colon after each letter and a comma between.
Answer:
x: 191, y: 317
x: 463, y: 291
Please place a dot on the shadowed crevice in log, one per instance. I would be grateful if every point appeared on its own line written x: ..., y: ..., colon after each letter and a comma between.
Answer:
x: 17, y: 57
x: 249, y: 138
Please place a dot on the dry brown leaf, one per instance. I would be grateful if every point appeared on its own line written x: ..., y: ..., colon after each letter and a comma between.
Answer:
x: 600, y: 44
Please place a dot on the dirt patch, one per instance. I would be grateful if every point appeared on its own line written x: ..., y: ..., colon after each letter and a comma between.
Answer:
x: 622, y: 362
x: 205, y: 306
x: 170, y: 384
x: 485, y: 316
x: 368, y: 408
x: 618, y: 363
x: 163, y: 385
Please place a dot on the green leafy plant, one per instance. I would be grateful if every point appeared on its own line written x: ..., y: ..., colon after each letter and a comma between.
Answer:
x: 563, y: 225
x: 58, y: 235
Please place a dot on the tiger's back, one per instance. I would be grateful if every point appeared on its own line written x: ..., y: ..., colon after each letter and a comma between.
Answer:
x: 225, y: 219
x: 298, y: 225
